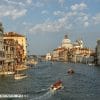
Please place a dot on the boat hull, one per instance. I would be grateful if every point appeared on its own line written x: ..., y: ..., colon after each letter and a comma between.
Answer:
x: 19, y: 76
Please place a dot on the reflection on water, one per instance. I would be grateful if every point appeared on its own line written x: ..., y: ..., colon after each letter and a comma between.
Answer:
x: 84, y: 84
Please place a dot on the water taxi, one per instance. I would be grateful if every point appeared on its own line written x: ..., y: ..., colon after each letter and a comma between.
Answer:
x: 56, y: 86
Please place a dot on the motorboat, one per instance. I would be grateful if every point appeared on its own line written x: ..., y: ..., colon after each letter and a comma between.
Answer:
x: 19, y: 76
x: 7, y: 73
x: 70, y: 71
x: 56, y: 86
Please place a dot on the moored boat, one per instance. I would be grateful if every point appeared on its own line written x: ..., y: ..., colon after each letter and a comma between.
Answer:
x: 20, y: 68
x: 19, y: 76
x: 7, y: 72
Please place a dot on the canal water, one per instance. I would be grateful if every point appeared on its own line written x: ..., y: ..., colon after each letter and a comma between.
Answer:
x: 84, y: 84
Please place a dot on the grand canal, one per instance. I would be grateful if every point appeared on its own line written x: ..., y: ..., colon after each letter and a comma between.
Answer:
x: 84, y: 84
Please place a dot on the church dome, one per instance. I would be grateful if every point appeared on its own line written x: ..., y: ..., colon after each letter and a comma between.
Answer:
x: 66, y: 43
x: 66, y: 40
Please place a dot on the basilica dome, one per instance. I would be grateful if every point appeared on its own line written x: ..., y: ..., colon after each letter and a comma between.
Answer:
x: 66, y: 43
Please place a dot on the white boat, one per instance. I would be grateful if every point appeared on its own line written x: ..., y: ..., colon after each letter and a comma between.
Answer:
x: 20, y: 68
x: 19, y: 76
x: 32, y: 62
x: 7, y: 73
x: 56, y: 86
x: 91, y: 64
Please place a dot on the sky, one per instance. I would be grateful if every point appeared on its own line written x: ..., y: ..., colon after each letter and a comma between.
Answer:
x: 45, y: 22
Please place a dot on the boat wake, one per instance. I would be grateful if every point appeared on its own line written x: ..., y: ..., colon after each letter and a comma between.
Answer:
x: 51, y: 91
x: 45, y: 96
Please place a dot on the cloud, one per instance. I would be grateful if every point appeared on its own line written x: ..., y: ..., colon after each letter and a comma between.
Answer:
x: 61, y: 2
x: 96, y: 18
x: 12, y: 12
x: 52, y: 26
x: 44, y: 12
x: 58, y: 13
x: 38, y: 4
x: 13, y: 8
x: 65, y: 21
x: 12, y: 2
x: 86, y: 24
x: 29, y: 1
x: 44, y: 27
x: 16, y: 13
x: 78, y: 7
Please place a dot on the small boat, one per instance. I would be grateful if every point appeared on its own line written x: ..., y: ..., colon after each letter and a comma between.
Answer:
x: 19, y: 76
x: 20, y: 68
x: 7, y: 73
x: 56, y: 86
x: 32, y: 62
x: 70, y: 71
x: 91, y: 64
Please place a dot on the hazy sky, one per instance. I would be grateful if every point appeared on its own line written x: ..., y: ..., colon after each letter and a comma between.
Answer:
x: 45, y: 22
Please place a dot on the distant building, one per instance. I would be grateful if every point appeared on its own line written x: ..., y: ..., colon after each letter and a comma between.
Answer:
x: 55, y: 55
x: 83, y: 55
x: 66, y: 43
x: 78, y: 44
x: 1, y: 45
x: 98, y: 53
x: 60, y: 54
x: 73, y: 52
x: 48, y: 56
x: 20, y: 42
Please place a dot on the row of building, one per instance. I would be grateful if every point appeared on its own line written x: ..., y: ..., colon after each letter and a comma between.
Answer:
x: 12, y: 49
x: 97, y: 58
x: 74, y: 52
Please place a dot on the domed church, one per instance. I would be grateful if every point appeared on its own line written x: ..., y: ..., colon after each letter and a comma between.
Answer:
x: 66, y: 43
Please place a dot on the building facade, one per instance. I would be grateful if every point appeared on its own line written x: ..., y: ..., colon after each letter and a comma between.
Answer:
x: 20, y: 43
x: 1, y: 45
x: 98, y: 53
x: 72, y: 52
x: 10, y: 54
x: 48, y: 56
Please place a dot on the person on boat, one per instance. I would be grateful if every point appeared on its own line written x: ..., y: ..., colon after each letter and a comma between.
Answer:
x: 70, y: 71
x: 57, y: 84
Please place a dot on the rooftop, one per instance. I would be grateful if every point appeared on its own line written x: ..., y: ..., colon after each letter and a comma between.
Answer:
x: 13, y: 34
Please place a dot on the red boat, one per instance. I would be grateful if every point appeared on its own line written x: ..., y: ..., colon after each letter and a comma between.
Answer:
x: 57, y: 85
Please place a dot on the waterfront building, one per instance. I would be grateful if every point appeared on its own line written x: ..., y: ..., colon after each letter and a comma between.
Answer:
x: 98, y: 53
x: 55, y: 54
x: 10, y: 54
x: 66, y: 43
x: 83, y: 55
x: 1, y: 45
x: 48, y: 56
x: 60, y: 54
x: 73, y: 52
x: 20, y: 44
